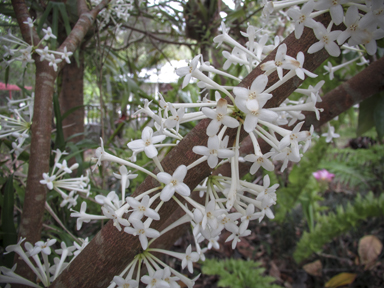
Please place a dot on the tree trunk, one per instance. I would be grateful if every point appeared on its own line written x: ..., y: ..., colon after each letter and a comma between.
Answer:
x: 35, y: 193
x: 71, y: 96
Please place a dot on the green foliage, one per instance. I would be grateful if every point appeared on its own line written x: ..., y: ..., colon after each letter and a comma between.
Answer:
x: 238, y: 273
x: 335, y: 224
x: 362, y: 168
x: 300, y: 181
x: 8, y: 230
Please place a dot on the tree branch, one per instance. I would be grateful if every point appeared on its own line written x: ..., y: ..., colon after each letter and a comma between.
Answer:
x: 110, y: 250
x: 35, y: 194
x: 150, y: 35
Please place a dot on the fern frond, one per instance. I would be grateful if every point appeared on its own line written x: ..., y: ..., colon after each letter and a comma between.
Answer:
x: 237, y: 273
x: 333, y: 225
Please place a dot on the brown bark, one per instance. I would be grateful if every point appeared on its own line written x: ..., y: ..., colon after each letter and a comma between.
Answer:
x: 110, y: 251
x: 35, y: 194
x: 71, y: 96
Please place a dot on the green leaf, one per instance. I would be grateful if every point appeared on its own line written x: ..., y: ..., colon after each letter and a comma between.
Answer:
x: 44, y: 17
x: 75, y: 151
x: 70, y: 111
x: 55, y: 25
x: 64, y: 14
x: 8, y: 226
x: 378, y: 116
x: 238, y: 273
x: 366, y: 119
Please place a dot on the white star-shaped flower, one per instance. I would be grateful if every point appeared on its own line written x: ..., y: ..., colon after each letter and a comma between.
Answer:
x: 174, y: 183
x: 219, y: 116
x: 146, y: 142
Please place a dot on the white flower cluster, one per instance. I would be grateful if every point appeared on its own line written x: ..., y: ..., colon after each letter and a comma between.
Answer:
x: 364, y: 21
x: 22, y: 51
x: 229, y: 203
x: 18, y: 124
x: 57, y: 181
x: 116, y: 11
x: 45, y: 272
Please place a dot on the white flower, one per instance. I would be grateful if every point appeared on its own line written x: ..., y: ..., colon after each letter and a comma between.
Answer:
x: 125, y: 176
x: 155, y: 280
x: 268, y: 195
x: 63, y: 166
x: 189, y: 258
x: 236, y: 234
x: 233, y: 58
x: 84, y: 243
x: 374, y: 17
x: 286, y: 155
x: 174, y: 183
x: 172, y: 281
x: 213, y: 151
x: 44, y: 53
x: 48, y: 180
x: 43, y: 247
x: 327, y: 39
x: 266, y: 210
x: 142, y: 209
x: 175, y: 119
x: 26, y: 56
x: 352, y: 22
x: 125, y: 283
x: 251, y: 102
x: 29, y: 22
x: 81, y: 216
x: 48, y: 34
x: 219, y: 116
x: 278, y: 64
x: 249, y: 215
x: 330, y: 134
x: 187, y: 71
x: 259, y: 160
x: 139, y: 228
x: 335, y: 8
x: 228, y: 221
x: 368, y: 39
x: 66, y: 55
x: 69, y: 199
x: 210, y: 215
x: 146, y: 142
x: 302, y: 18
x: 53, y: 62
x: 297, y: 65
x: 293, y: 138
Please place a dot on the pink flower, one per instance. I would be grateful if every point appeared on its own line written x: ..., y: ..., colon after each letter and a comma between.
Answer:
x: 323, y: 175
